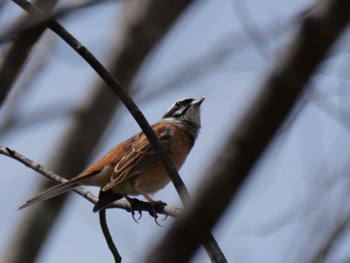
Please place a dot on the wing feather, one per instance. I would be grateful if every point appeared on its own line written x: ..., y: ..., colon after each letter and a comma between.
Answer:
x: 137, y: 160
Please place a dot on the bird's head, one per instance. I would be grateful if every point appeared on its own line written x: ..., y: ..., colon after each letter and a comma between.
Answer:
x: 185, y: 111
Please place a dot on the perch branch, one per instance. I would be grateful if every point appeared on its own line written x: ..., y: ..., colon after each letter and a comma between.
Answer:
x: 122, y: 204
x: 276, y: 99
x: 209, y: 242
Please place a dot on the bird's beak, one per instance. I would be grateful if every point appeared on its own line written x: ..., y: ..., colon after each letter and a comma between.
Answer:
x: 197, y: 102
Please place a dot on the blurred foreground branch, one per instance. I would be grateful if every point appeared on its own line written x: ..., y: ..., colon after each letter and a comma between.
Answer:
x: 167, y: 18
x: 17, y: 52
x: 320, y: 29
x: 328, y: 245
x: 114, y: 84
x: 39, y: 60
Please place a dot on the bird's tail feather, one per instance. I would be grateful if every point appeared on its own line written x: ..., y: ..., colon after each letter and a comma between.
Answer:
x: 56, y: 190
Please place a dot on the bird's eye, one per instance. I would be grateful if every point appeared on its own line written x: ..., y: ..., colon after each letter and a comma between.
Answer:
x: 178, y: 104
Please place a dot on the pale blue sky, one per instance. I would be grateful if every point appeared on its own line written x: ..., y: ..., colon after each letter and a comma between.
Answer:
x: 289, y: 190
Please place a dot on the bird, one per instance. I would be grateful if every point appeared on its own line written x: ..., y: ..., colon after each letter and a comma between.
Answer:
x: 133, y: 167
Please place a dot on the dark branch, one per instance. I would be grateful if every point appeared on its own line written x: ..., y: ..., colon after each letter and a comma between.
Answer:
x: 114, y: 84
x: 268, y: 111
x: 108, y: 237
x: 211, y: 246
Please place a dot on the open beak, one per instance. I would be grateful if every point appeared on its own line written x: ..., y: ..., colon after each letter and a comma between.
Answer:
x: 197, y: 102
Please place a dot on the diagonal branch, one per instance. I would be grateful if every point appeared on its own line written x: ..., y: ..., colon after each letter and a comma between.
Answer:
x: 278, y: 95
x: 210, y: 243
x: 114, y: 84
x: 154, y: 17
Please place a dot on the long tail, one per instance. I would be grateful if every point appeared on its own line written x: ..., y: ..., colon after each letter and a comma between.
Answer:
x: 56, y: 190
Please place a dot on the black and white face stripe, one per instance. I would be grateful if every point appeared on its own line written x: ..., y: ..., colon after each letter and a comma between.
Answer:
x: 179, y: 108
x: 187, y: 113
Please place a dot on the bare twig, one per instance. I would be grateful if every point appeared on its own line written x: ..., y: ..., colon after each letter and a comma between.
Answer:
x: 210, y: 245
x: 108, y: 237
x: 243, y: 149
x: 141, y: 206
x: 114, y: 84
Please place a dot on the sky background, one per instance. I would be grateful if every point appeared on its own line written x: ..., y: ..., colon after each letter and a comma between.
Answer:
x: 294, y: 195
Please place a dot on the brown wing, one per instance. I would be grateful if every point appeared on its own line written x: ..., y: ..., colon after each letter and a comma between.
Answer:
x: 139, y: 158
x: 112, y: 157
x: 103, y: 168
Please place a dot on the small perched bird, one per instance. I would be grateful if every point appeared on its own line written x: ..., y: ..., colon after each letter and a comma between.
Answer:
x: 133, y: 167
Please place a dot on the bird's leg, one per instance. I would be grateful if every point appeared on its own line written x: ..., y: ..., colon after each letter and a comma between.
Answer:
x: 132, y: 202
x: 154, y: 205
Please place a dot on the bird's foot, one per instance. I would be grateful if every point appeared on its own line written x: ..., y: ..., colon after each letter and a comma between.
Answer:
x: 154, y: 205
x: 133, y: 202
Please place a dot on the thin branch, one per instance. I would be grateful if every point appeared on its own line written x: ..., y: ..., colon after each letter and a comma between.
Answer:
x: 122, y: 204
x: 276, y: 99
x: 114, y: 84
x: 210, y: 245
x: 138, y: 206
x: 108, y: 237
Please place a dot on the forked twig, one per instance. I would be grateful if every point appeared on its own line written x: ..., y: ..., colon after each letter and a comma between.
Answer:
x: 210, y: 243
x: 140, y: 206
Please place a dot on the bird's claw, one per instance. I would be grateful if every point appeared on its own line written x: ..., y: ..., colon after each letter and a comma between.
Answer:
x: 153, y: 207
x: 165, y: 217
x: 133, y: 215
x: 153, y: 210
x: 132, y: 202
